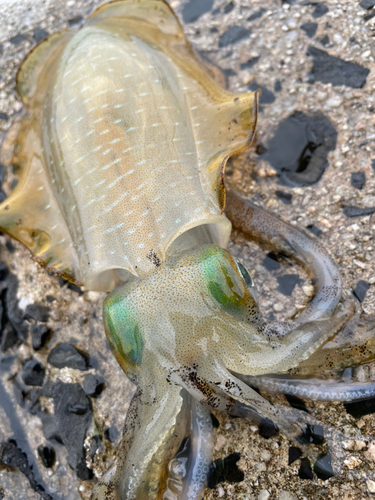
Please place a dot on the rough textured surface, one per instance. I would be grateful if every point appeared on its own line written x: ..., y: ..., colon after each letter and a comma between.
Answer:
x: 278, y: 49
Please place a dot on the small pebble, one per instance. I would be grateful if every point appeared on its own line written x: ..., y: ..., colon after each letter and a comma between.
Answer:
x: 286, y: 495
x: 371, y: 485
x: 264, y: 495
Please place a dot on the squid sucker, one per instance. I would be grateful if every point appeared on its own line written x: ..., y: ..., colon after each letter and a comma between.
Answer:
x: 121, y: 153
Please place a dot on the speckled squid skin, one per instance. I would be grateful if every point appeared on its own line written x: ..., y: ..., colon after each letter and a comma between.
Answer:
x: 122, y: 154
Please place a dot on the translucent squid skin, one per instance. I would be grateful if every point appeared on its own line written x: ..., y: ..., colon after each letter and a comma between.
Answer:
x: 121, y: 156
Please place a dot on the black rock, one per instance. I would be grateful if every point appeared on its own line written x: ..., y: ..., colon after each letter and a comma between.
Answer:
x: 215, y: 422
x: 267, y: 96
x: 40, y: 34
x: 229, y: 72
x: 271, y: 262
x: 73, y: 425
x: 305, y: 471
x: 69, y: 285
x: 95, y: 445
x: 194, y: 9
x: 48, y: 388
x: 351, y: 211
x: 250, y: 63
x: 12, y: 311
x: 93, y: 385
x: 75, y: 20
x: 358, y: 179
x: 16, y: 40
x: 260, y: 149
x: 14, y: 457
x: 323, y: 467
x: 111, y: 433
x: 9, y: 337
x: 286, y: 198
x: 50, y: 428
x: 66, y: 355
x: 319, y: 11
x: 20, y: 392
x: 225, y: 469
x: 313, y: 434
x: 9, y: 245
x: 287, y: 283
x: 34, y: 403
x: 309, y: 29
x: 256, y: 15
x: 2, y: 173
x: 4, y: 116
x: 367, y: 4
x: 267, y: 429
x: 33, y: 372
x: 324, y: 40
x: 296, y: 402
x: 373, y: 164
x: 315, y: 230
x: 368, y: 16
x: 47, y: 455
x: 277, y: 86
x: 331, y: 69
x: 50, y: 298
x: 294, y: 454
x: 228, y: 8
x: 37, y: 312
x: 233, y: 35
x: 361, y: 289
x: 299, y: 147
x: 359, y: 409
x: 39, y: 334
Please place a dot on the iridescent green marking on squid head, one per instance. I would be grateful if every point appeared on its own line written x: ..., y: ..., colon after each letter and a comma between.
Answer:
x: 123, y: 332
x: 229, y: 284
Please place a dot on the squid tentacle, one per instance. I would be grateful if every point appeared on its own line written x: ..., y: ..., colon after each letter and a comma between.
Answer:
x: 258, y: 224
x: 148, y: 465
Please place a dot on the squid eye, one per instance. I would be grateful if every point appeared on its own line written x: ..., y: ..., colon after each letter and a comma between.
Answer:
x: 245, y: 274
x: 247, y: 279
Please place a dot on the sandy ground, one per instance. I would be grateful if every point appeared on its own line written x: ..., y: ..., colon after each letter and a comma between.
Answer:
x: 278, y: 45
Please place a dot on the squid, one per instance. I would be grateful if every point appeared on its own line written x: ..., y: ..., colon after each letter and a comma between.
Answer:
x: 121, y: 154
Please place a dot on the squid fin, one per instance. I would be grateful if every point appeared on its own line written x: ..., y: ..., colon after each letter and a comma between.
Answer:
x: 40, y: 56
x: 31, y: 214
